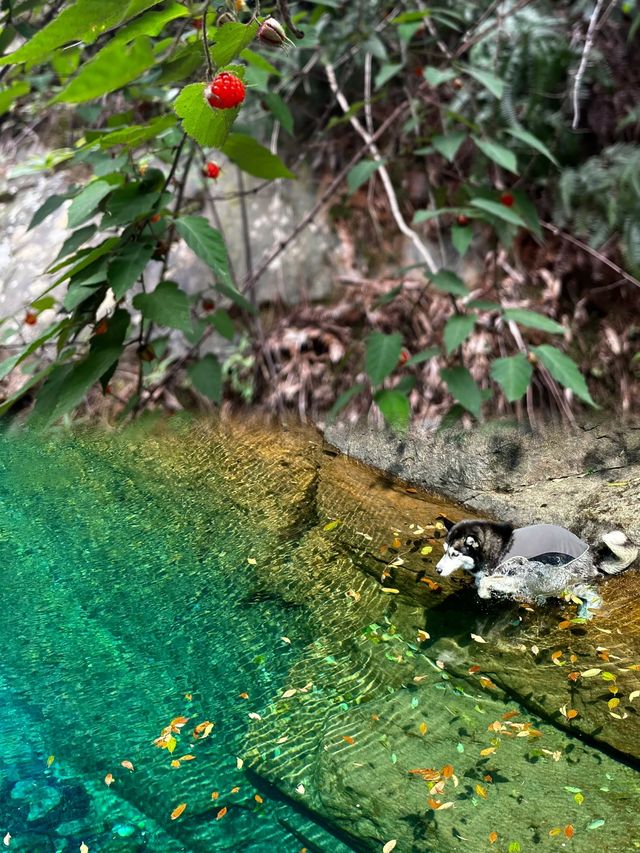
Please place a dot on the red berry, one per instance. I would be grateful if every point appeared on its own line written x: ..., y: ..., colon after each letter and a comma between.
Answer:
x: 30, y: 318
x: 419, y: 71
x: 107, y: 390
x: 211, y: 170
x: 225, y: 91
x: 507, y: 199
x: 208, y: 304
x: 405, y: 355
x: 197, y: 23
x: 462, y: 220
x: 101, y: 328
x: 156, y: 217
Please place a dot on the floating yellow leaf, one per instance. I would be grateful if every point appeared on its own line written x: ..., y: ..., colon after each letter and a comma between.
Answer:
x: 108, y: 779
x: 254, y: 716
x: 390, y: 590
x: 127, y: 764
x: 187, y: 757
x: 389, y: 846
x: 221, y: 813
x: 252, y: 561
x: 286, y: 641
x: 423, y: 636
x: 555, y: 831
x: 289, y: 693
x: 590, y: 673
x: 7, y: 840
x: 396, y: 543
x: 427, y: 549
x: 84, y: 848
x: 569, y: 831
x: 613, y: 703
x: 493, y: 837
x: 203, y: 730
x: 188, y: 696
x: 244, y: 695
x: 481, y: 792
x: 50, y: 760
x: 447, y: 771
x: 426, y: 773
x: 258, y: 798
x: 300, y: 788
x: 175, y: 763
x: 171, y: 744
x: 215, y: 795
x: 331, y: 525
x: 175, y: 814
x: 178, y: 722
x: 235, y: 789
x: 571, y: 713
x: 634, y: 695
x: 348, y: 739
x: 555, y: 657
x: 239, y: 763
x: 489, y: 750
x: 478, y: 638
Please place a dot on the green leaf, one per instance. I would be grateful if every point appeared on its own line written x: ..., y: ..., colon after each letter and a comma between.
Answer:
x: 209, y: 127
x: 395, y: 408
x: 84, y: 258
x: 127, y: 266
x: 564, y: 370
x: 500, y: 210
x: 361, y: 173
x: 85, y: 203
x: 448, y: 282
x: 117, y: 328
x: 513, y: 374
x: 136, y: 134
x: 448, y: 144
x: 387, y: 71
x: 223, y: 324
x: 129, y: 203
x: 8, y: 364
x: 463, y: 388
x: 494, y: 84
x: 259, y: 61
x: 182, y: 64
x: 254, y: 158
x: 150, y: 24
x: 75, y: 240
x: 533, y: 320
x: 343, y: 400
x: 436, y: 76
x: 46, y: 209
x: 206, y: 376
x: 424, y: 355
x: 280, y: 111
x: 111, y: 68
x: 43, y: 303
x: 533, y: 141
x: 498, y: 153
x: 84, y: 21
x: 167, y: 306
x: 461, y: 237
x: 12, y: 93
x: 381, y: 355
x: 207, y: 243
x: 236, y: 297
x: 456, y: 330
x: 230, y: 39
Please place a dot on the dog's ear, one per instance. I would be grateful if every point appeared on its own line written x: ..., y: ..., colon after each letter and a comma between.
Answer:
x: 446, y: 521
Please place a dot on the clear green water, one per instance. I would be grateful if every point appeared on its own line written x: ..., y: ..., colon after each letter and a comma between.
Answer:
x: 147, y: 580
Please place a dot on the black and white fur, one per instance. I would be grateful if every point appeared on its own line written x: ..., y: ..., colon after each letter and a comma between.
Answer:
x: 480, y: 548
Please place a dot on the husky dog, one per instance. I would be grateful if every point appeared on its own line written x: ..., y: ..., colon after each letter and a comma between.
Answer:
x: 531, y: 563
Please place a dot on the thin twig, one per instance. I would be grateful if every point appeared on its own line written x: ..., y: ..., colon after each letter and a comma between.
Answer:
x: 479, y: 36
x: 382, y: 171
x: 324, y: 198
x: 246, y: 239
x: 588, y: 45
x: 205, y: 42
x: 285, y: 14
x: 590, y: 251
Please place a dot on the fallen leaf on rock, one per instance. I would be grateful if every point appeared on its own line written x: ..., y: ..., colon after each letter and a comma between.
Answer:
x: 555, y: 831
x: 84, y: 848
x: 331, y: 525
x: 569, y: 831
x: 493, y: 837
x: 481, y: 791
x: 634, y: 695
x: 289, y: 693
x: 478, y: 638
x: 535, y: 650
x: 254, y: 716
x: 244, y: 695
x: 108, y: 779
x: 300, y: 788
x: 178, y: 722
x: 431, y: 584
x: 573, y: 676
x: 221, y: 813
x: 613, y: 703
x: 426, y: 773
x: 348, y: 739
x: 390, y: 590
x: 489, y: 750
x: 252, y: 561
x: 239, y: 763
x: 175, y: 763
x: 427, y: 549
x: 590, y: 673
x: 566, y: 623
x: 423, y: 636
x: 396, y: 543
x: 389, y: 846
x: 423, y: 728
x: 258, y: 798
x: 286, y: 640
x: 175, y: 814
x: 127, y: 764
x: 474, y: 668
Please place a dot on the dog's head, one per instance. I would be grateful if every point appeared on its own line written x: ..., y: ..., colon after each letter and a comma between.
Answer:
x: 473, y: 546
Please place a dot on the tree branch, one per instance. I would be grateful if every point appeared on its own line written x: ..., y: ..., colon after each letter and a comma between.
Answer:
x: 588, y: 45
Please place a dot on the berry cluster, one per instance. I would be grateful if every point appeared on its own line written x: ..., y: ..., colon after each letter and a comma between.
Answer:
x: 225, y: 91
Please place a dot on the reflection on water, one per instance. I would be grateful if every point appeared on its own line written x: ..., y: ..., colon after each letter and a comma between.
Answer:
x: 185, y: 669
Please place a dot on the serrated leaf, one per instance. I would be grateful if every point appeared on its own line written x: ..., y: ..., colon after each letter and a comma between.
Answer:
x: 533, y: 141
x: 461, y: 237
x: 448, y: 144
x: 395, y: 408
x: 565, y: 371
x: 167, y: 306
x: 533, y: 320
x: 456, y: 330
x: 361, y: 173
x: 86, y: 202
x: 127, y: 265
x: 423, y: 356
x: 223, y: 324
x: 280, y: 111
x: 228, y: 290
x: 463, y: 388
x: 46, y: 209
x: 206, y: 376
x: 253, y: 158
x: 230, y: 39
x: 136, y: 134
x: 209, y: 127
x: 436, y: 76
x: 381, y: 355
x: 75, y: 240
x: 498, y: 153
x: 256, y: 59
x: 490, y: 82
x: 84, y: 21
x: 207, y: 243
x: 498, y: 210
x: 448, y: 282
x: 11, y: 93
x: 513, y: 375
x: 8, y: 364
x: 111, y: 68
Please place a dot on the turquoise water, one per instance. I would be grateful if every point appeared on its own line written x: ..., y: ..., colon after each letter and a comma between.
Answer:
x: 163, y: 605
x: 125, y: 607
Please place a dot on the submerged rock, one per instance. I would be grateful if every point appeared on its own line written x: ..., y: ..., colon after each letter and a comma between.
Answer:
x: 41, y: 798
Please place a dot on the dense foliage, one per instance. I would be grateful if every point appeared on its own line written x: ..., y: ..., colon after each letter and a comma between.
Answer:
x: 489, y: 100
